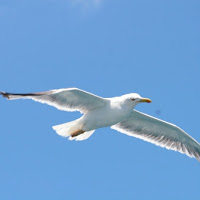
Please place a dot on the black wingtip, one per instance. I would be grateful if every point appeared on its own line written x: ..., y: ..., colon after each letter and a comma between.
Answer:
x: 4, y: 94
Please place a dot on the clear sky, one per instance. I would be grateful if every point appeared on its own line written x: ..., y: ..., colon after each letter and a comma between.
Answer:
x: 109, y: 48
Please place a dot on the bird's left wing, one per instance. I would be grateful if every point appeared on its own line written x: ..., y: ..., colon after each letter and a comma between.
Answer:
x: 159, y: 132
x: 68, y: 99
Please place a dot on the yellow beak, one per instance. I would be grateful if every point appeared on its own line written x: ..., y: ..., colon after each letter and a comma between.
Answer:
x: 145, y: 100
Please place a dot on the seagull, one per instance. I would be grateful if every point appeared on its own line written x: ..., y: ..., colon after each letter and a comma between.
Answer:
x: 117, y: 113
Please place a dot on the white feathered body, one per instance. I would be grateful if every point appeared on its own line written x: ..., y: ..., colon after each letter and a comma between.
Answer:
x: 112, y: 113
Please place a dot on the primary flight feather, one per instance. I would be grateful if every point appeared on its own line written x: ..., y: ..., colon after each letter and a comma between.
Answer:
x: 117, y: 112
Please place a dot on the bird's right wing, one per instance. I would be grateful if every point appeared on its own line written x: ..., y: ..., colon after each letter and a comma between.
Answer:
x: 68, y: 99
x: 159, y: 132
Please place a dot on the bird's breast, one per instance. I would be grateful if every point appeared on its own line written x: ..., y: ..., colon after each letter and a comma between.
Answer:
x: 105, y: 117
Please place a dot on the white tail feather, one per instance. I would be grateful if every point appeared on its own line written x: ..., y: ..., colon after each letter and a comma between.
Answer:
x: 66, y: 129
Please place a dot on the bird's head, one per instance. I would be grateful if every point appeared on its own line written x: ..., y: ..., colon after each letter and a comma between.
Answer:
x: 133, y: 99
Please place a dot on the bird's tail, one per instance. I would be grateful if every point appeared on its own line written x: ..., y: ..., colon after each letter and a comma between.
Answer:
x: 73, y: 130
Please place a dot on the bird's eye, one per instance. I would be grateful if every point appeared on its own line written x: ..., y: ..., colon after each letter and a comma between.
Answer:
x: 132, y: 99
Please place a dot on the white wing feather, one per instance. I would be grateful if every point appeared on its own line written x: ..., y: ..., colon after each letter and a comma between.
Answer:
x: 68, y: 99
x: 159, y: 132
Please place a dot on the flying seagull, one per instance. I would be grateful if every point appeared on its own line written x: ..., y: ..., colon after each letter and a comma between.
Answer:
x: 116, y: 112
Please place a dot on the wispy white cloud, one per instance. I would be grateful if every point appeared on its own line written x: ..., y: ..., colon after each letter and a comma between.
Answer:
x: 87, y: 3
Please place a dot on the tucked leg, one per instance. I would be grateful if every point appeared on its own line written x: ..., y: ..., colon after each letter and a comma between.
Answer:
x: 76, y: 133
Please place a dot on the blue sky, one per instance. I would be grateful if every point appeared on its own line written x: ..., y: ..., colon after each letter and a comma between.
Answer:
x: 109, y: 48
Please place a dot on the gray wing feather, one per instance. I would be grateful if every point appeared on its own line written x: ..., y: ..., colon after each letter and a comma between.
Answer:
x: 68, y: 99
x: 159, y: 132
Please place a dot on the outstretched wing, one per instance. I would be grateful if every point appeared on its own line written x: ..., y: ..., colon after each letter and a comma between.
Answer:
x: 159, y: 132
x: 68, y: 99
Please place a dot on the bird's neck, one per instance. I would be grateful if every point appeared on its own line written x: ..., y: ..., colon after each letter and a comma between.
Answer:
x: 119, y: 104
